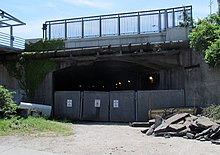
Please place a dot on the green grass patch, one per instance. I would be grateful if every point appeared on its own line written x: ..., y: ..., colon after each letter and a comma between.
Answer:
x: 37, y: 126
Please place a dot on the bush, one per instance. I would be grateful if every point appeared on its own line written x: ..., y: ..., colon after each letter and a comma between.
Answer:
x: 7, y: 106
x: 212, y: 111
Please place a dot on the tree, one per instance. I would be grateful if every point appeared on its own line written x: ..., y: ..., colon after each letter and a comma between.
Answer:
x: 205, y: 39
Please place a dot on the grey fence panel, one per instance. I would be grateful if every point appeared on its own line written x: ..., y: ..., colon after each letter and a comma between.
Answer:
x: 67, y: 105
x: 95, y: 106
x: 122, y: 106
x: 143, y: 105
x: 156, y: 100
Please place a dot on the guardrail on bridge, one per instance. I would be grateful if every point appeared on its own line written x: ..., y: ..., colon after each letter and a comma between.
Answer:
x: 142, y: 22
x: 11, y: 41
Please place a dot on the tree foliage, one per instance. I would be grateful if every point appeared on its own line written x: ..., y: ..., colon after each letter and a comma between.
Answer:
x: 205, y: 39
x: 7, y: 106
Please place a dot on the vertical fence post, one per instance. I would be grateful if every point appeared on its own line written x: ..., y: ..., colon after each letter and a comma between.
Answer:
x: 191, y: 16
x: 65, y: 29
x: 139, y: 24
x: 173, y: 11
x: 100, y: 26
x: 49, y: 31
x: 165, y: 19
x: 119, y: 26
x: 159, y: 21
x: 82, y: 28
x: 45, y: 32
x: 11, y: 36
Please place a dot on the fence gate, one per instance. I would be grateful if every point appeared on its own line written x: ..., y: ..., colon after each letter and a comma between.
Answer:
x: 114, y: 106
x: 95, y: 106
x: 67, y: 105
x: 157, y: 99
x: 122, y: 106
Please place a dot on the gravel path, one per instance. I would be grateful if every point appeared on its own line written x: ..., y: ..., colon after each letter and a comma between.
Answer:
x: 105, y: 138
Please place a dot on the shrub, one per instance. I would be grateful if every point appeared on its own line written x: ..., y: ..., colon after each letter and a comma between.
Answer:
x: 212, y: 111
x: 7, y: 106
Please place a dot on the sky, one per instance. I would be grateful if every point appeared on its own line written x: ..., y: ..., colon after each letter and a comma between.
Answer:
x: 35, y: 12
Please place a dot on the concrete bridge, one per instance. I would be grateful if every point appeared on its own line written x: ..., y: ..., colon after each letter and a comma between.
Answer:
x: 128, y: 62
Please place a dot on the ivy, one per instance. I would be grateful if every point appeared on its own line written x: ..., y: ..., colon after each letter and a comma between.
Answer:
x: 44, y: 45
x: 30, y: 73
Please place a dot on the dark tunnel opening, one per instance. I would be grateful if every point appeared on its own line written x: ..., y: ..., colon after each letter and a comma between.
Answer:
x: 106, y: 76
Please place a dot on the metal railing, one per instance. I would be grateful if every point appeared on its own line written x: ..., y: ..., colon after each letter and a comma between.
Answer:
x: 11, y: 41
x: 142, y: 22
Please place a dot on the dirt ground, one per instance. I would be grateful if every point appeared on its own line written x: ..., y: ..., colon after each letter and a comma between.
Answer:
x: 106, y: 138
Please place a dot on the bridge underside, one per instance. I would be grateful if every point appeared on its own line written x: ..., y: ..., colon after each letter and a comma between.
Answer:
x: 112, y: 70
x: 106, y: 76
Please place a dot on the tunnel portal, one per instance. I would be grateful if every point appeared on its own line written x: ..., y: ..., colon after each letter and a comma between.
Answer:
x: 106, y: 76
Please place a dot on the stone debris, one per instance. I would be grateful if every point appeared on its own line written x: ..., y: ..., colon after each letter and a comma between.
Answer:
x: 187, y: 126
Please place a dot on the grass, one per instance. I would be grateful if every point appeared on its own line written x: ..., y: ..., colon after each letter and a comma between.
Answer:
x: 37, y: 126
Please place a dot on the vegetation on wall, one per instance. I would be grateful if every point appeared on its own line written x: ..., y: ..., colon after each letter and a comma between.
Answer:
x: 30, y: 72
x: 205, y: 39
x: 44, y: 45
x: 7, y: 106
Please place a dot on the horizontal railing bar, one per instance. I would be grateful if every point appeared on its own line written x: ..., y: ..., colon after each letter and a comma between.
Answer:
x: 136, y: 12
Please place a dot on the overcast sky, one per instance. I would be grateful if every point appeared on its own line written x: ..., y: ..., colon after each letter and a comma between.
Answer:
x: 35, y: 12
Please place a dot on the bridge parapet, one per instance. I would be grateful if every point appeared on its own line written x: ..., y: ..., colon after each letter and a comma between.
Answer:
x: 131, y: 23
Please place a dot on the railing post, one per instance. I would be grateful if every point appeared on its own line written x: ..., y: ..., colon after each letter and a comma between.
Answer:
x: 159, y: 21
x: 100, y: 26
x: 82, y: 28
x: 191, y: 16
x: 46, y: 33
x: 119, y: 25
x: 165, y: 19
x: 11, y: 36
x: 173, y: 18
x: 49, y: 31
x: 139, y: 23
x: 65, y: 29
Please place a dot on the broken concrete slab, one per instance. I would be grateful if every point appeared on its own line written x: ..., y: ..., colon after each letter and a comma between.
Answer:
x: 188, y: 126
x: 205, y: 122
x: 151, y: 130
x: 140, y: 124
x: 176, y: 118
x: 190, y: 135
x: 177, y: 127
x: 216, y: 142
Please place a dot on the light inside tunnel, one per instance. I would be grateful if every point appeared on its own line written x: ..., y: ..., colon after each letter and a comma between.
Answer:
x: 106, y: 76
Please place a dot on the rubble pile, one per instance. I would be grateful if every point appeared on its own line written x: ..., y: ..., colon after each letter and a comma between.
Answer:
x: 187, y: 126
